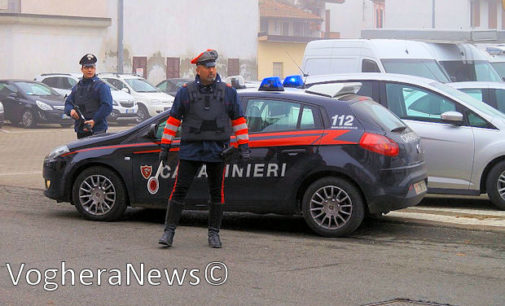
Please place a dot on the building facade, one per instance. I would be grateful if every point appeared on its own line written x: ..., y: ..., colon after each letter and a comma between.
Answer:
x: 160, y: 36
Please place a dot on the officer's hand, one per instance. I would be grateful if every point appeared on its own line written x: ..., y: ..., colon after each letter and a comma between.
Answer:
x: 163, y: 157
x: 73, y: 114
x: 90, y: 122
x: 245, y: 153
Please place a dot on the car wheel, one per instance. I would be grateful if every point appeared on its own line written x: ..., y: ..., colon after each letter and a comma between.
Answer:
x: 495, y: 185
x: 99, y: 194
x: 28, y: 119
x: 333, y: 207
x: 142, y: 113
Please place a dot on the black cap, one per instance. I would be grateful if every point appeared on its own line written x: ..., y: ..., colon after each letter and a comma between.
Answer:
x: 207, y: 58
x: 88, y: 60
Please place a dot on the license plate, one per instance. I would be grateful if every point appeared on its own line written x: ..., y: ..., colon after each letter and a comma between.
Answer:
x: 64, y: 116
x: 126, y: 111
x: 420, y: 187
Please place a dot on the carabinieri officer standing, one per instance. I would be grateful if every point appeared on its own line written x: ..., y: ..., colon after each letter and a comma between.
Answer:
x: 209, y: 112
x: 93, y: 97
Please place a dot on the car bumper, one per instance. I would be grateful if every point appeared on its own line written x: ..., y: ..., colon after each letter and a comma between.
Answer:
x: 156, y: 109
x: 398, y: 188
x: 123, y: 113
x: 54, y: 176
x: 54, y: 116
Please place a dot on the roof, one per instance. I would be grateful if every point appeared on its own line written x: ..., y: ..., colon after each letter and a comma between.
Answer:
x: 313, y: 79
x: 274, y: 9
x: 477, y: 85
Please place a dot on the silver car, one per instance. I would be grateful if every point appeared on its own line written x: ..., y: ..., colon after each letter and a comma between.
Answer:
x: 492, y: 93
x: 463, y: 138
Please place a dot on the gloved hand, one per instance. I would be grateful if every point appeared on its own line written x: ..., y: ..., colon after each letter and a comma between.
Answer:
x: 245, y: 153
x: 163, y: 157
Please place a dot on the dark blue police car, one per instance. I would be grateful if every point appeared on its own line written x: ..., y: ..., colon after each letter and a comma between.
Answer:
x: 324, y: 152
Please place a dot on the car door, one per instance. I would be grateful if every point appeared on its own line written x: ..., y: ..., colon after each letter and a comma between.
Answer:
x: 281, y: 134
x: 12, y: 100
x: 449, y: 148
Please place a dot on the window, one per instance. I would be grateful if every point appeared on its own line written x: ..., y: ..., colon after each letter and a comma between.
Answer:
x: 369, y: 66
x: 51, y: 82
x: 285, y: 28
x: 379, y: 7
x: 500, y: 99
x: 409, y: 102
x: 475, y: 13
x: 424, y: 68
x: 474, y: 92
x: 173, y: 67
x: 116, y: 83
x: 278, y: 69
x: 233, y: 66
x: 274, y: 115
x: 6, y: 89
x: 298, y: 29
x: 163, y: 86
x: 366, y: 89
x: 67, y: 83
x: 264, y: 26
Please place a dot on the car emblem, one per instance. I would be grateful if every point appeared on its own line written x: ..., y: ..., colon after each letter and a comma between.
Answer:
x: 146, y: 171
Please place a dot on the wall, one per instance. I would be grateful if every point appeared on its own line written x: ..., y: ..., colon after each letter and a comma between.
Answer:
x: 350, y: 17
x: 270, y: 52
x: 86, y: 8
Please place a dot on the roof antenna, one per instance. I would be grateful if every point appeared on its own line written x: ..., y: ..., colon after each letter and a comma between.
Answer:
x: 305, y: 75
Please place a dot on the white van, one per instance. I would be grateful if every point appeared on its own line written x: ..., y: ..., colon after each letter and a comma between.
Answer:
x: 495, y: 54
x: 464, y: 62
x: 371, y: 55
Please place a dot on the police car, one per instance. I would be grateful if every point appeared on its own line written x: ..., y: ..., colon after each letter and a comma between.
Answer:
x: 331, y: 160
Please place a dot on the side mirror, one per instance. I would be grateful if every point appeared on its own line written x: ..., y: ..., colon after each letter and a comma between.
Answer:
x: 125, y: 89
x: 452, y: 117
x: 152, y: 131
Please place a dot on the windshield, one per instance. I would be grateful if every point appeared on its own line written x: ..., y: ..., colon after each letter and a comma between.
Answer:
x: 481, y: 106
x: 500, y: 68
x: 110, y: 85
x: 464, y: 71
x: 140, y: 85
x: 36, y: 89
x: 424, y: 68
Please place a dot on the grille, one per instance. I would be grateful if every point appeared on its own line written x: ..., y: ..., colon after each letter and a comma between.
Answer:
x: 126, y: 103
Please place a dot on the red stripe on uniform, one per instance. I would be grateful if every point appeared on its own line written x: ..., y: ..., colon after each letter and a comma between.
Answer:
x: 175, y: 183
x: 222, y: 185
x: 169, y: 132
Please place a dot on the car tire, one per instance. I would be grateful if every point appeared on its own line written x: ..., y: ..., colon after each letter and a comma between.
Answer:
x: 333, y: 207
x: 99, y: 194
x: 496, y: 182
x: 28, y: 119
x: 142, y: 113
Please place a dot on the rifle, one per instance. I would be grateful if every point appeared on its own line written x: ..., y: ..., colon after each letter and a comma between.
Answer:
x: 82, y: 119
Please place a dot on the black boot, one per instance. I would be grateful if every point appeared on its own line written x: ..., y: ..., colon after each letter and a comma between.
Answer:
x: 215, y: 218
x: 174, y: 212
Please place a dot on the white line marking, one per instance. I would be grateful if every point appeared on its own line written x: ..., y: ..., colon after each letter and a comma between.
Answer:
x: 21, y: 173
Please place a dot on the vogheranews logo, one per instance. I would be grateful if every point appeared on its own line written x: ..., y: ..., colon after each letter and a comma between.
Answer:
x: 50, y: 279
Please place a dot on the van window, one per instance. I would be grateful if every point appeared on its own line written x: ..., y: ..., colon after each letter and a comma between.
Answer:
x: 424, y: 68
x: 500, y: 99
x: 500, y: 68
x: 471, y: 71
x: 369, y: 66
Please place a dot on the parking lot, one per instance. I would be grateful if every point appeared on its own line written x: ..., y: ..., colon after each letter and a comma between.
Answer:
x: 268, y: 259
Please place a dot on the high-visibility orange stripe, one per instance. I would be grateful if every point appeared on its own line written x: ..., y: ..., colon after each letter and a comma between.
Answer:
x: 169, y: 132
x: 175, y: 183
x: 243, y: 141
x: 238, y: 121
x: 243, y: 131
x: 173, y: 121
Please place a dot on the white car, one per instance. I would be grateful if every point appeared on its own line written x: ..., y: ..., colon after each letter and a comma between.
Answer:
x: 124, y: 106
x: 463, y: 138
x: 150, y: 99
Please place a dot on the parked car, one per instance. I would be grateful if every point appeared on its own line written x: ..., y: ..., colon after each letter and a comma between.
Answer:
x: 171, y: 86
x: 28, y: 103
x: 1, y: 114
x: 492, y: 93
x: 463, y: 138
x: 150, y: 100
x: 124, y: 107
x: 496, y: 56
x: 330, y: 160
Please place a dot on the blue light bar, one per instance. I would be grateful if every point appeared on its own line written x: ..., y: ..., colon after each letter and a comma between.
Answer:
x: 271, y: 84
x: 294, y: 81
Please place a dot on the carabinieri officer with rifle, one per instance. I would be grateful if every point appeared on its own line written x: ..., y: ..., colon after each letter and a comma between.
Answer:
x: 90, y: 101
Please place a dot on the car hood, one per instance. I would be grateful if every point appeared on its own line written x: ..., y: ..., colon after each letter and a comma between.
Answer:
x: 51, y: 100
x: 154, y: 96
x: 121, y: 95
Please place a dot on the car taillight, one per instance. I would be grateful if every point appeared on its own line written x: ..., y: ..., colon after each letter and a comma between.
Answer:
x: 379, y: 144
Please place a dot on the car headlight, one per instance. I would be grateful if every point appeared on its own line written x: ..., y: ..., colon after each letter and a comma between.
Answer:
x: 1, y: 108
x: 43, y: 106
x: 58, y: 151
